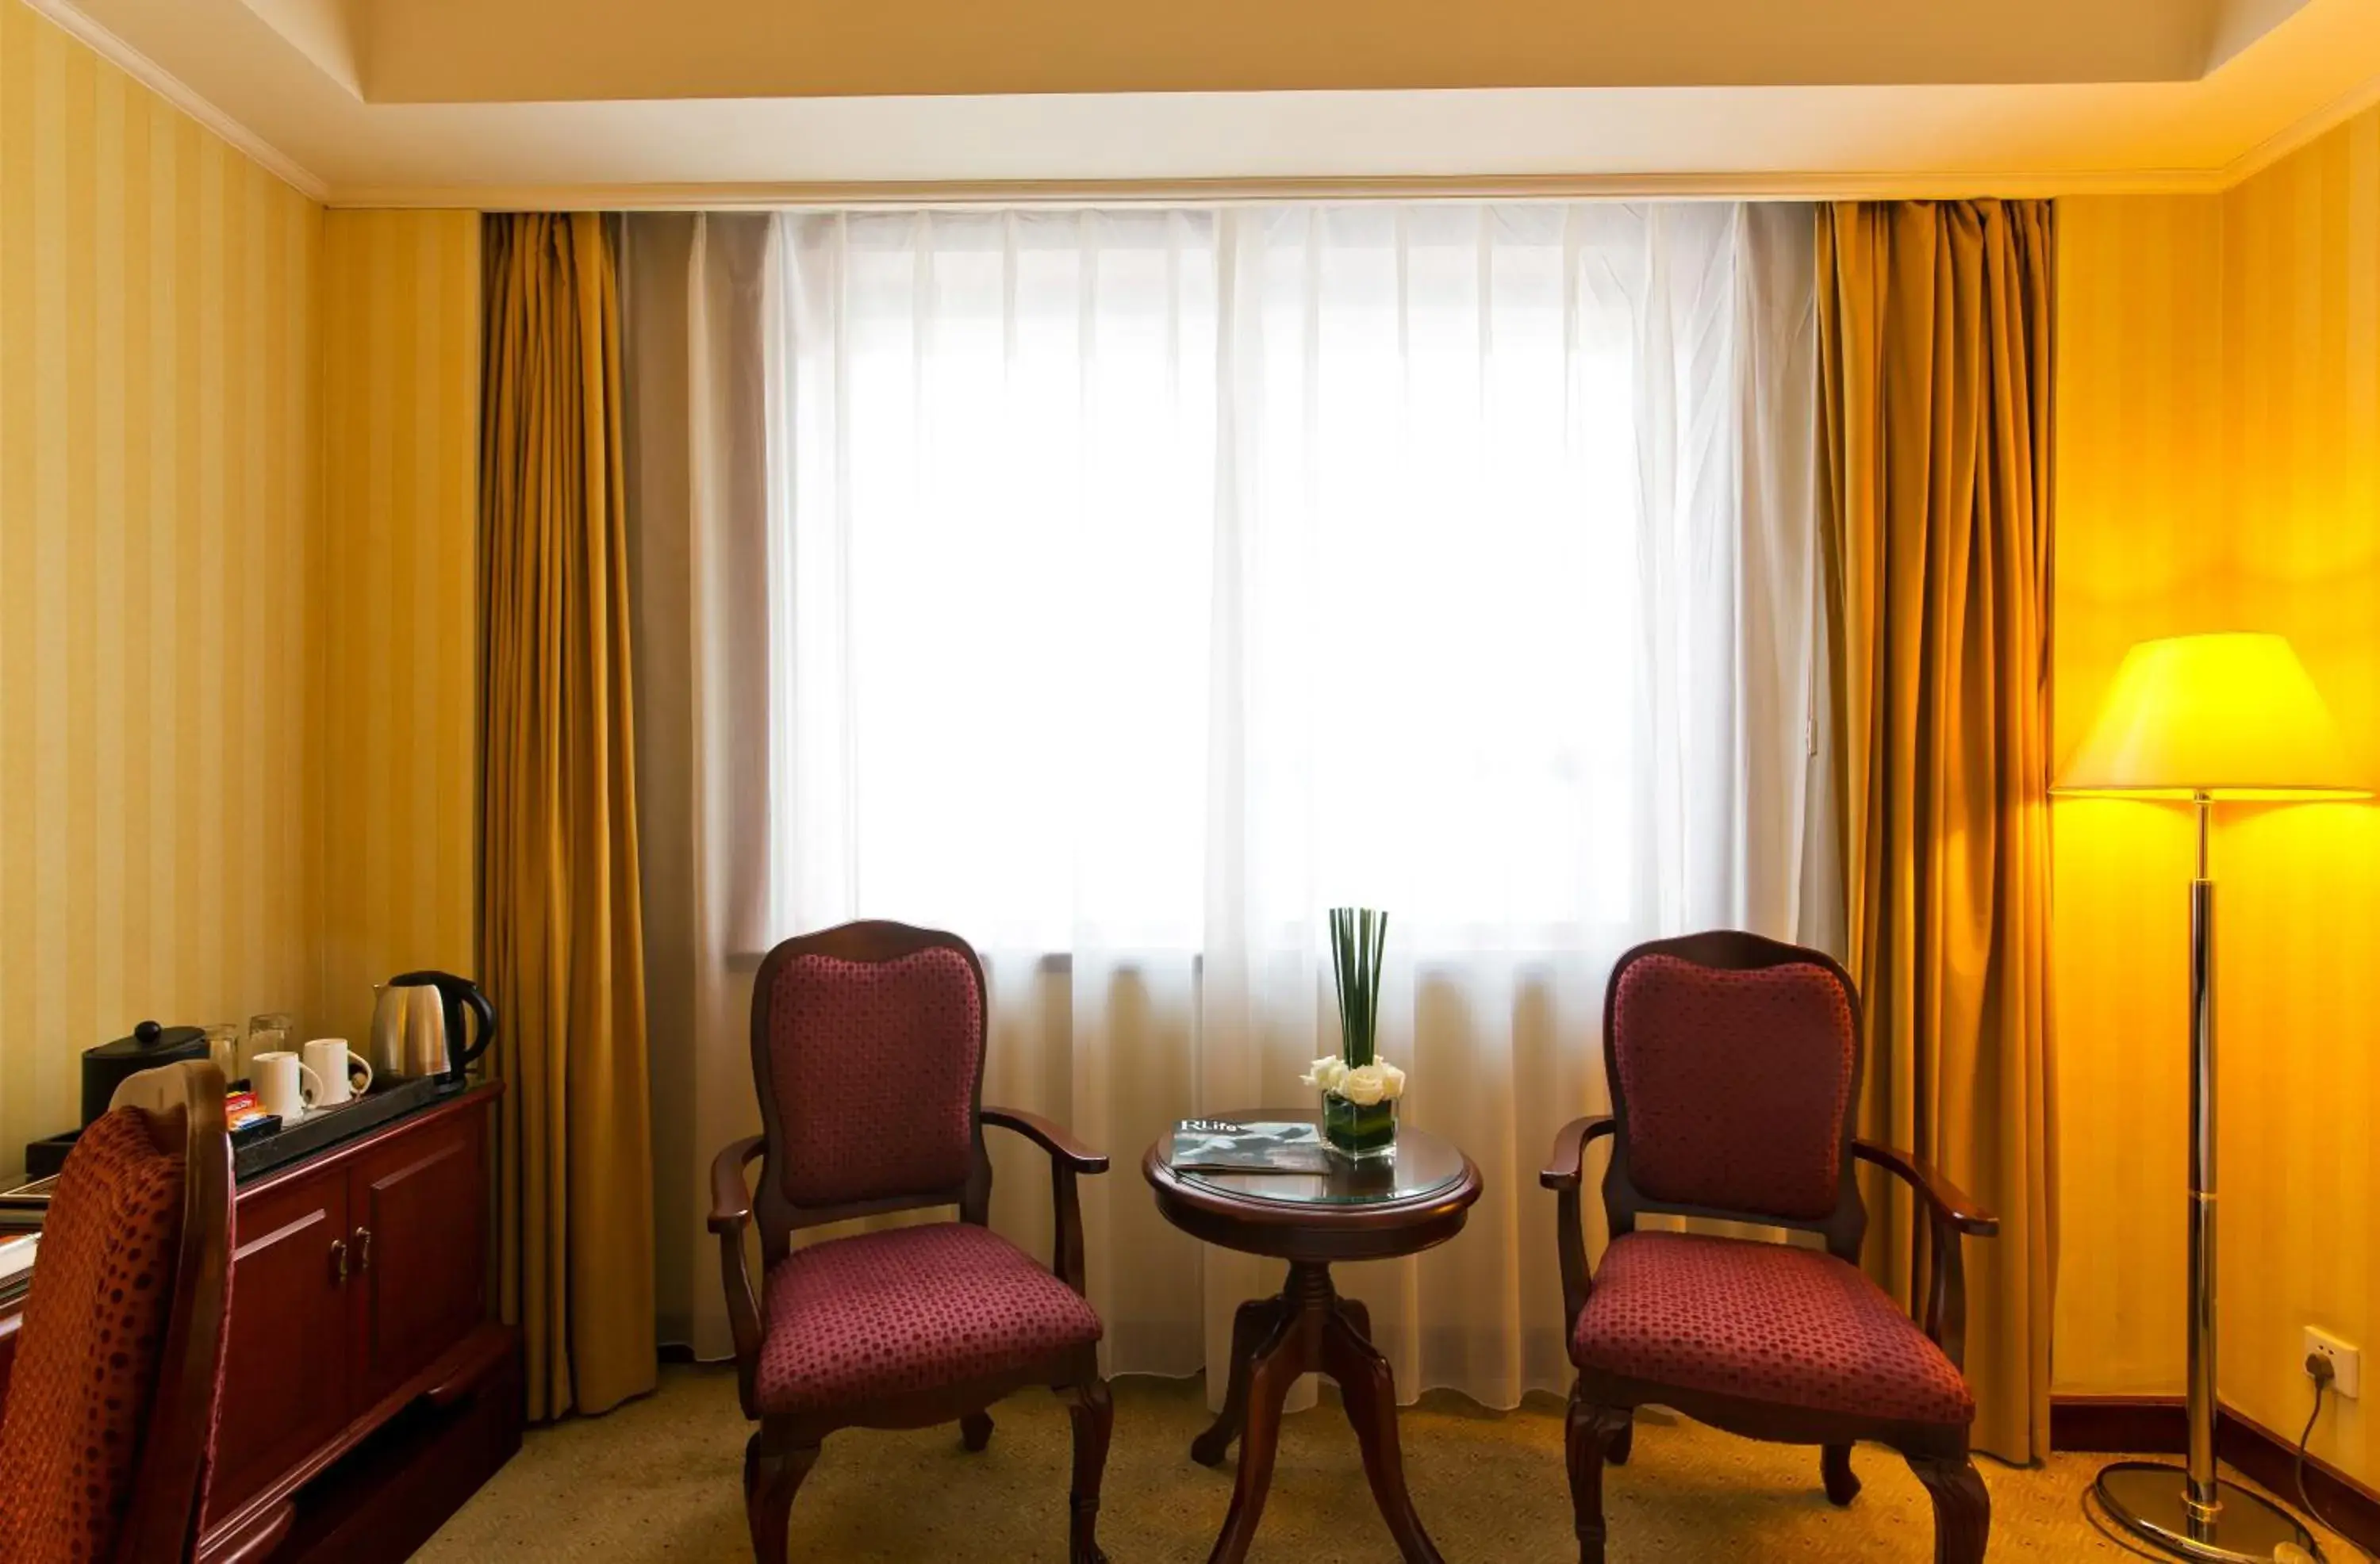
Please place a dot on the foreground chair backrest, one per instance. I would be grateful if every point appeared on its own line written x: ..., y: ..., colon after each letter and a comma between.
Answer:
x: 868, y: 1054
x: 107, y: 1438
x: 1734, y: 1065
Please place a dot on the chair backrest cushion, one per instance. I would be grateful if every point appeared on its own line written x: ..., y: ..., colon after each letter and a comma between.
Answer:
x: 1735, y: 1084
x: 85, y: 1376
x: 873, y: 1066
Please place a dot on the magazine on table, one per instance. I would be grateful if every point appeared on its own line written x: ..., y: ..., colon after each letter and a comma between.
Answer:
x: 1225, y: 1146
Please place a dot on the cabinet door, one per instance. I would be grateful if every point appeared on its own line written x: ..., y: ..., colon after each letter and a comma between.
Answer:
x: 419, y: 1207
x: 285, y: 1376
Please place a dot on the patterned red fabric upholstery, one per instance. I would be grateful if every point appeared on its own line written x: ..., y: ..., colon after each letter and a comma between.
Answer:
x: 1736, y: 1084
x: 911, y: 1309
x: 1767, y: 1322
x: 87, y: 1355
x: 873, y: 1064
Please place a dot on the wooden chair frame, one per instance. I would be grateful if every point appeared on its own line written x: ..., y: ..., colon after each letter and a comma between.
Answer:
x: 182, y: 1106
x: 783, y: 1448
x: 1602, y: 1406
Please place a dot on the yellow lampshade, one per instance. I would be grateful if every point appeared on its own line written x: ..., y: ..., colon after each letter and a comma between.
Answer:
x: 2231, y: 716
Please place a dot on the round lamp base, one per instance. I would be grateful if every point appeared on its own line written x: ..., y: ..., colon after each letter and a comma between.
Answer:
x: 2148, y: 1499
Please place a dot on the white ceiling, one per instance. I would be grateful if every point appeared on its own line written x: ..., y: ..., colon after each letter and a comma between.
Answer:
x: 494, y: 102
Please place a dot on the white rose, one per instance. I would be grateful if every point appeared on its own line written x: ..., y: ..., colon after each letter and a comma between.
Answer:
x: 1327, y: 1074
x: 1364, y: 1086
x: 1392, y: 1081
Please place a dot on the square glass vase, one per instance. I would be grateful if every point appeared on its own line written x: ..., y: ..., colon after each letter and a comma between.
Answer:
x: 1358, y: 1131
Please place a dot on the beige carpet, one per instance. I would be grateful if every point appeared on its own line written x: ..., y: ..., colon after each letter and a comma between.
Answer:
x: 659, y: 1479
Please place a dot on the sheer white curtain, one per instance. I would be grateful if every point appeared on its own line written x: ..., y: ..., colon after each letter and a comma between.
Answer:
x: 1140, y: 584
x: 696, y: 293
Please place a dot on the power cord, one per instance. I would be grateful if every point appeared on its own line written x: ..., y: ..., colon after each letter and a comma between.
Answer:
x: 2322, y: 1371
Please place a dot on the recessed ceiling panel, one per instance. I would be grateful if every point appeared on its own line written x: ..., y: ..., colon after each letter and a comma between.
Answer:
x: 328, y: 32
x: 531, y: 51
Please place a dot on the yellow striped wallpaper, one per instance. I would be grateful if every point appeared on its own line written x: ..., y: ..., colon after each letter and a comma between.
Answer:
x: 158, y: 467
x: 396, y: 728
x: 2141, y: 531
x: 2219, y: 468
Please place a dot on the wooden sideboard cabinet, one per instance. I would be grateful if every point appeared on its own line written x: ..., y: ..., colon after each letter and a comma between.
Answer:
x: 368, y: 1389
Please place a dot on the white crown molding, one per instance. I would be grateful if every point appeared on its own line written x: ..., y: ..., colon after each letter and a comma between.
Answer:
x: 1254, y: 191
x: 179, y: 93
x: 2299, y: 133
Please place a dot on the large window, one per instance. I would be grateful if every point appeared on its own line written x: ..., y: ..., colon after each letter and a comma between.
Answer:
x: 1123, y: 589
x: 1147, y: 579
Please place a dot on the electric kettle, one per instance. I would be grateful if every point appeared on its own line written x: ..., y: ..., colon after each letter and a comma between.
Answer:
x: 417, y: 1025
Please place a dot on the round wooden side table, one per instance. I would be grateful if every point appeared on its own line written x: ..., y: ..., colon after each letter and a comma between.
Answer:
x: 1372, y: 1210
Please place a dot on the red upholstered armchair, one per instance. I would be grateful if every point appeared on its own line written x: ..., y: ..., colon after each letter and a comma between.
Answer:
x: 108, y: 1434
x: 1734, y: 1064
x: 867, y: 1045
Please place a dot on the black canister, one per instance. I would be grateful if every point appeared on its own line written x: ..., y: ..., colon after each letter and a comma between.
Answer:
x: 108, y: 1066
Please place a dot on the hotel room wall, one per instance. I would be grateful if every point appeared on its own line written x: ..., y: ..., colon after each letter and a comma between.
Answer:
x: 158, y: 472
x: 396, y: 696
x: 2219, y: 468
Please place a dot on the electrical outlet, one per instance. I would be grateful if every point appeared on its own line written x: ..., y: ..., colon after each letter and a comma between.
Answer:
x: 2347, y: 1364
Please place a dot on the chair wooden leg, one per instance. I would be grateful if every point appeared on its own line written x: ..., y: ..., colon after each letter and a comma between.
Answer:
x: 771, y: 1475
x: 1587, y: 1443
x: 1622, y: 1445
x: 1962, y: 1507
x: 1092, y: 1411
x: 1835, y: 1467
x: 975, y: 1429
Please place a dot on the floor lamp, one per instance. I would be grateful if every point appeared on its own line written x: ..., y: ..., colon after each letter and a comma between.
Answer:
x: 2204, y: 719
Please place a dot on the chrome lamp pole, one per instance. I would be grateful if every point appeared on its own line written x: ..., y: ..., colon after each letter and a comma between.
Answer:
x: 2189, y: 1509
x: 2203, y: 718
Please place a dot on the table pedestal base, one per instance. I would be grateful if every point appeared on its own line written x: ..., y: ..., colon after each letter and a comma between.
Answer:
x: 1308, y: 1327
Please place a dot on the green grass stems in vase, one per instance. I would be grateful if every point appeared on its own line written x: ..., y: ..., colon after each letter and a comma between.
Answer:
x: 1359, y: 1088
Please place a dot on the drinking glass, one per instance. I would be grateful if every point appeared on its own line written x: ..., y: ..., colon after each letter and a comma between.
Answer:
x: 266, y: 1034
x: 222, y: 1050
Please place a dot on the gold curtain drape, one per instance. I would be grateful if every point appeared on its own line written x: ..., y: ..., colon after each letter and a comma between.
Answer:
x: 1934, y: 341
x: 560, y: 932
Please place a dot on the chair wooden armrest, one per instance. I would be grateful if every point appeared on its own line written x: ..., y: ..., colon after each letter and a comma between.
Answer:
x: 1949, y: 1214
x: 1948, y: 1203
x: 1562, y: 1175
x: 731, y: 1199
x: 1049, y: 1137
x: 731, y: 1212
x: 1068, y: 1156
x: 1570, y: 1141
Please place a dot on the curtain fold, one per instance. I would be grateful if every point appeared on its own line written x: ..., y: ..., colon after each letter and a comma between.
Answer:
x: 1934, y: 341
x: 560, y: 914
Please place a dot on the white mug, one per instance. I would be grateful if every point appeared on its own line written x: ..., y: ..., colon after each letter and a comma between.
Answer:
x: 284, y: 1086
x: 335, y: 1065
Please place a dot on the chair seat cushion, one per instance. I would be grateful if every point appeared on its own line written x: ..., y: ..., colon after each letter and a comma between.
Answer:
x: 1762, y: 1321
x: 906, y: 1310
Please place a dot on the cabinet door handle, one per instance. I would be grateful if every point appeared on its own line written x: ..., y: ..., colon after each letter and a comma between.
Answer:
x: 339, y: 1260
x: 363, y: 1250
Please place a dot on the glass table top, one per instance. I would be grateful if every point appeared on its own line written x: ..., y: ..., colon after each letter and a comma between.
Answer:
x: 1420, y: 1165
